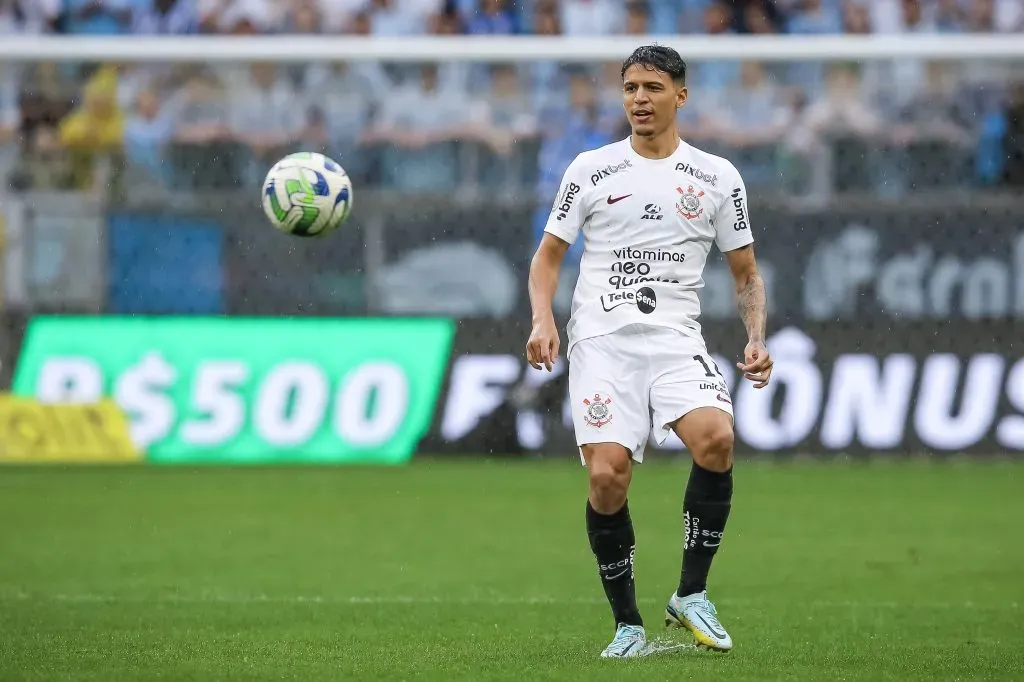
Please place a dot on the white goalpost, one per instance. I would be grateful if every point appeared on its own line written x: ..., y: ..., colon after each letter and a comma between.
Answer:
x: 292, y: 49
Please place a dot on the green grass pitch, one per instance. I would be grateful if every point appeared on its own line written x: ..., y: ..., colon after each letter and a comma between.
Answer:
x: 480, y: 571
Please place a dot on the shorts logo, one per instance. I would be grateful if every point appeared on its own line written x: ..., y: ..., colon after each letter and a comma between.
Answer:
x: 598, y: 413
x: 689, y: 203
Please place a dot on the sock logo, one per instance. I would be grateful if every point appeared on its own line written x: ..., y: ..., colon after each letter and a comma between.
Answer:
x: 626, y: 566
x: 691, y: 530
x: 714, y: 535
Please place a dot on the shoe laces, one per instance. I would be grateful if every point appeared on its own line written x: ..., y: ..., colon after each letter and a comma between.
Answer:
x: 624, y: 636
x: 711, y: 613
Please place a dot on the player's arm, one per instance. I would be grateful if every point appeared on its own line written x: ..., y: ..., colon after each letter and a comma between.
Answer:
x: 542, y: 348
x: 563, y: 226
x: 734, y: 238
x: 753, y: 308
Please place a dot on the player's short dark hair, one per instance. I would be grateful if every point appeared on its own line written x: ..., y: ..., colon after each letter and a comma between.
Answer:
x: 660, y: 58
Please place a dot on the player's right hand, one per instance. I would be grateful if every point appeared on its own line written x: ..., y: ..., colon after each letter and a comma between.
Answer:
x: 542, y: 348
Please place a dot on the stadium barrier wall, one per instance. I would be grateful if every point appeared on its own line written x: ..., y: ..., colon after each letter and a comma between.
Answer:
x: 922, y: 387
x: 376, y: 391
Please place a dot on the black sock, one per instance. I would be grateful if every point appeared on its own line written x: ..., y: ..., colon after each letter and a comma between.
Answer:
x: 706, y: 508
x: 612, y: 540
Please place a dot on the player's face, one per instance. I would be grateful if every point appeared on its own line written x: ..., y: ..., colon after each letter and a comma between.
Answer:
x: 651, y: 100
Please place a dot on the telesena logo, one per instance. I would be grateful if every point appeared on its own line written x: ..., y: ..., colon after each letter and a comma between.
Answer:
x: 697, y: 173
x: 740, y: 210
x: 602, y: 173
x: 569, y: 193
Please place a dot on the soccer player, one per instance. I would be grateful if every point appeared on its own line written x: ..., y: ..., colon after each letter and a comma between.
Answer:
x: 649, y: 208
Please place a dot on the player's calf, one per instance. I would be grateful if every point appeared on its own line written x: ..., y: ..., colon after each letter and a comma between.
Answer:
x: 610, y: 529
x: 707, y: 433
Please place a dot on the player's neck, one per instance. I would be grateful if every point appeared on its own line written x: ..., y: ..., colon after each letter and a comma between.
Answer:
x: 656, y: 147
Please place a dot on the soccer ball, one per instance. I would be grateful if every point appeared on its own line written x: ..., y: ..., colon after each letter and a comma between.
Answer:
x: 307, y: 195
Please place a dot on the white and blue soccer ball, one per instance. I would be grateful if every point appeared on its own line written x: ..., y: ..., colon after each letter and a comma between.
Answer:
x: 307, y: 195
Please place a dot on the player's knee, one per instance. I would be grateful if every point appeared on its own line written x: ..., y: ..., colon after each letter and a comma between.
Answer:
x: 609, y: 483
x: 714, y: 447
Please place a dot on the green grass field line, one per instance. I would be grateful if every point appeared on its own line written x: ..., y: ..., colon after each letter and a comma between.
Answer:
x: 481, y: 571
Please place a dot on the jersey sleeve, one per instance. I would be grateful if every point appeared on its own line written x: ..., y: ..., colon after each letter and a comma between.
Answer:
x: 732, y: 223
x: 567, y: 212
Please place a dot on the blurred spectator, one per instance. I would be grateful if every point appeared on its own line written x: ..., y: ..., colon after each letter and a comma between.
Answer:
x: 751, y: 124
x: 844, y: 126
x: 981, y: 16
x: 388, y: 19
x: 950, y: 16
x: 545, y: 76
x: 757, y: 20
x: 814, y: 17
x: 591, y: 17
x: 453, y: 76
x: 611, y: 114
x: 342, y: 97
x: 336, y: 15
x: 567, y: 132
x: 263, y: 117
x: 505, y: 121
x: 856, y: 18
x: 29, y: 16
x: 496, y: 17
x: 146, y: 134
x: 235, y: 16
x: 638, y: 18
x: 201, y: 154
x: 303, y: 18
x: 1014, y: 144
x: 933, y: 132
x: 95, y: 130
x: 417, y: 130
x: 97, y: 17
x: 711, y: 78
x: 165, y: 17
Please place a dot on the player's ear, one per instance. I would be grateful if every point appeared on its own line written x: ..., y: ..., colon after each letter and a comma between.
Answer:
x: 681, y: 94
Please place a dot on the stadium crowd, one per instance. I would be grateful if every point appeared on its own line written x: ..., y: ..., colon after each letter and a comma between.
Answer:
x: 803, y: 128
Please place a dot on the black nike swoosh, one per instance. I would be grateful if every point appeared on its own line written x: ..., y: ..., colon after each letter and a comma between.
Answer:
x: 720, y: 635
x: 618, y: 199
x: 630, y: 647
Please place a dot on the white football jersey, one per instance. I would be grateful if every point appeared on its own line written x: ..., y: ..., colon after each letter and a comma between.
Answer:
x: 648, y: 226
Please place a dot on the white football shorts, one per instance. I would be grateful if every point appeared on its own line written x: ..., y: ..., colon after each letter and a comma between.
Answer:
x: 623, y: 384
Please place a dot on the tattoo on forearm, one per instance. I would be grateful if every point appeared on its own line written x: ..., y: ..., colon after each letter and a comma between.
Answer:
x: 753, y: 307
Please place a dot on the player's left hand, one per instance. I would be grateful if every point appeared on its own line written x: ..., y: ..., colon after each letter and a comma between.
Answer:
x: 758, y: 365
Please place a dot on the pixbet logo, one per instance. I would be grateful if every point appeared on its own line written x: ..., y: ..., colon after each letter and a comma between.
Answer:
x: 741, y: 211
x: 608, y: 171
x: 697, y: 173
x: 568, y: 196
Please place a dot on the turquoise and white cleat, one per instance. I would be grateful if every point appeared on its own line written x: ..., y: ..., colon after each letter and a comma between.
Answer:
x: 629, y: 641
x: 697, y: 614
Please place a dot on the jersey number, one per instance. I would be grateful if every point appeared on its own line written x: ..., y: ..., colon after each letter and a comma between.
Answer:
x: 707, y: 370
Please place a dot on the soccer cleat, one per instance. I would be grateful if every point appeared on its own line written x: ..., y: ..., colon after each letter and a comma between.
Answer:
x: 697, y: 614
x: 629, y: 641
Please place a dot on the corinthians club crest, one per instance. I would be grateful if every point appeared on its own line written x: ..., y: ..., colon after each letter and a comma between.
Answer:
x: 598, y: 413
x: 689, y: 203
